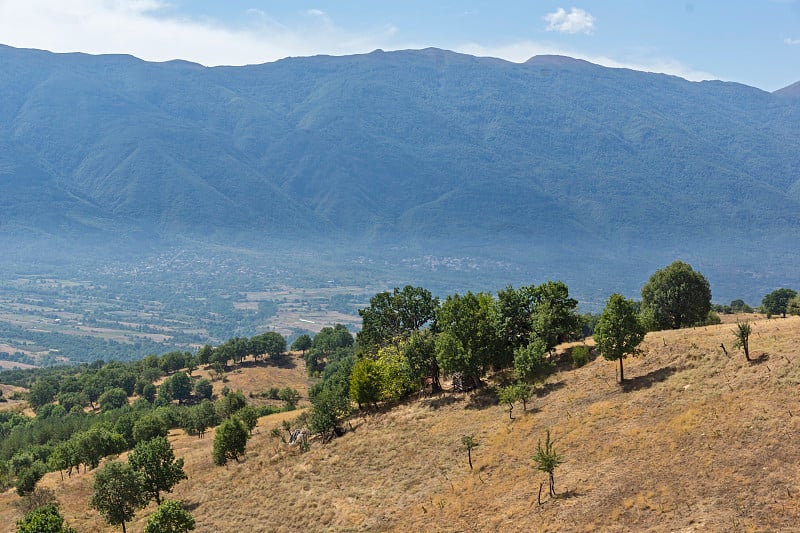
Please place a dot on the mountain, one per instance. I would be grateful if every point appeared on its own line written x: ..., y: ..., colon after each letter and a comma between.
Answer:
x: 412, y: 148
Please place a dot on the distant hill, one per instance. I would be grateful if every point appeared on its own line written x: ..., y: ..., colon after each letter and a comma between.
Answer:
x: 413, y: 148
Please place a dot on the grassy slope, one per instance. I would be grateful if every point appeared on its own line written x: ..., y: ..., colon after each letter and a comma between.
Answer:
x: 697, y: 441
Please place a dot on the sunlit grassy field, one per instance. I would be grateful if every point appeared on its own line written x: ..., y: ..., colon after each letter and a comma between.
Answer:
x: 696, y: 440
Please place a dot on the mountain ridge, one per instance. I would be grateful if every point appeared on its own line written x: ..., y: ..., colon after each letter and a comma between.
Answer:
x: 417, y: 148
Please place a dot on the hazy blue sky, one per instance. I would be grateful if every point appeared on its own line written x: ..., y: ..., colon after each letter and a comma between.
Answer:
x: 756, y: 42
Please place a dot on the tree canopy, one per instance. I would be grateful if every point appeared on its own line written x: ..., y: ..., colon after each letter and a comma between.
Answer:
x: 777, y: 301
x: 619, y: 331
x: 676, y: 297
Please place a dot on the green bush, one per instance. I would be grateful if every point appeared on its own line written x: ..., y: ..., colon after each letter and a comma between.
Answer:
x: 580, y: 355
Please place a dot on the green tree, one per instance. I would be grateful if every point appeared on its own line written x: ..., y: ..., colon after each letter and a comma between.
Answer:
x: 547, y: 460
x: 619, y: 331
x: 508, y: 395
x: 554, y: 317
x: 177, y: 387
x: 118, y: 493
x: 112, y: 399
x: 742, y: 333
x: 469, y: 340
x: 230, y: 441
x: 44, y: 519
x: 155, y: 460
x: 28, y: 477
x: 530, y: 363
x: 270, y: 343
x: 468, y: 443
x: 328, y: 406
x: 366, y: 382
x: 170, y: 517
x: 149, y: 426
x: 203, y: 389
x: 302, y: 343
x: 420, y: 354
x: 42, y: 392
x: 290, y: 396
x: 229, y: 404
x: 249, y: 416
x: 676, y: 297
x: 793, y: 306
x: 777, y: 301
x: 392, y: 316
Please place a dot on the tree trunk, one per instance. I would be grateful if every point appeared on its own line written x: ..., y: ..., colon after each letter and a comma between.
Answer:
x: 510, y: 409
x: 621, y: 371
x: 469, y: 457
x: 553, y: 482
x: 746, y: 350
x: 123, y: 527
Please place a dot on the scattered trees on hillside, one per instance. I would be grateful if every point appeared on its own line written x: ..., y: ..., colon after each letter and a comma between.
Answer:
x: 156, y: 462
x: 619, y: 331
x: 777, y: 301
x: 302, y: 343
x: 230, y: 441
x: 118, y: 493
x: 676, y: 297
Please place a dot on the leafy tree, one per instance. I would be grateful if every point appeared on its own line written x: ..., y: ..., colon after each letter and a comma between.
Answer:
x: 112, y: 399
x: 97, y: 442
x: 290, y: 396
x: 249, y: 416
x: 229, y: 441
x: 554, y: 317
x: 170, y: 517
x: 205, y: 355
x: 149, y: 392
x: 155, y: 460
x: 203, y: 389
x: 676, y: 297
x: 777, y: 301
x: 178, y: 387
x: 28, y: 477
x: 118, y: 493
x: 68, y: 400
x: 149, y: 426
x: 468, y: 443
x: 42, y: 393
x: 619, y: 331
x: 270, y: 343
x: 44, y: 519
x: 420, y: 354
x: 202, y: 417
x: 508, y: 395
x: 393, y: 316
x: 366, y: 382
x: 229, y: 404
x: 328, y: 407
x: 171, y: 362
x: 302, y: 343
x: 530, y: 363
x: 742, y: 333
x: 547, y: 460
x: 793, y: 306
x: 738, y: 306
x: 469, y: 338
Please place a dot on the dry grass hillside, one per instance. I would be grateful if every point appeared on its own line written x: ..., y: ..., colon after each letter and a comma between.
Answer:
x: 695, y: 441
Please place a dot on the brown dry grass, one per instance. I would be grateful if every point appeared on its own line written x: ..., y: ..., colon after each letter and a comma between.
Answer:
x: 695, y: 441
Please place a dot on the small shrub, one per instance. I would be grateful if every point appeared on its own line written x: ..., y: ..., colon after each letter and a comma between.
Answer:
x: 580, y: 356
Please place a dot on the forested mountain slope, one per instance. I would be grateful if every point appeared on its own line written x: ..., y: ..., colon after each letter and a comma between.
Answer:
x: 397, y: 147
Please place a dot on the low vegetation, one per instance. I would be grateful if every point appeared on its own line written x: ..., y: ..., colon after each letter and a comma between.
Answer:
x: 518, y: 347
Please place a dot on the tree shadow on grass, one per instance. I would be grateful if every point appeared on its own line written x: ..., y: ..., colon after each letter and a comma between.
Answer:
x: 284, y: 361
x: 763, y: 358
x: 442, y: 400
x: 648, y: 380
x: 482, y: 398
x: 547, y: 388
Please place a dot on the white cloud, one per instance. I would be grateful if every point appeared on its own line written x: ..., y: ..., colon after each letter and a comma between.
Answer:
x: 576, y: 21
x: 791, y: 41
x: 152, y: 30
